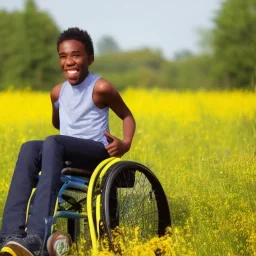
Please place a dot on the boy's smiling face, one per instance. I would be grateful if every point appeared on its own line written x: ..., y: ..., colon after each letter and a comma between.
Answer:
x: 74, y: 61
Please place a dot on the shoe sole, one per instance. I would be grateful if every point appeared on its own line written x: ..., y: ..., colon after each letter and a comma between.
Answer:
x: 15, y: 249
x: 58, y: 244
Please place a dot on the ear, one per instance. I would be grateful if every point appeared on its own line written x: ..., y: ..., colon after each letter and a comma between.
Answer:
x: 91, y: 59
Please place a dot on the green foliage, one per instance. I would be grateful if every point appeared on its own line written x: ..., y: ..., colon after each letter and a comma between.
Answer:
x: 149, y: 69
x: 141, y: 68
x: 41, y: 34
x: 122, y: 62
x: 107, y: 44
x: 11, y: 42
x: 235, y: 43
x: 28, y: 57
x: 192, y: 73
x: 28, y: 54
x: 183, y: 54
x: 28, y: 51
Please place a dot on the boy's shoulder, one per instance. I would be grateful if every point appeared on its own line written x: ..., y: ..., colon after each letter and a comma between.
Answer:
x: 55, y: 92
x: 104, y: 93
x: 103, y: 86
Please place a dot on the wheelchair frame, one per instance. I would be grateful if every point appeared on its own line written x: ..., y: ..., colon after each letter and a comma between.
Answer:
x: 87, y: 185
x: 93, y: 185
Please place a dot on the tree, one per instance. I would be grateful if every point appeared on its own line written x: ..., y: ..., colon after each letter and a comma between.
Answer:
x: 12, y: 41
x: 235, y: 42
x: 183, y: 54
x: 28, y: 49
x: 41, y: 34
x: 205, y: 41
x: 107, y: 44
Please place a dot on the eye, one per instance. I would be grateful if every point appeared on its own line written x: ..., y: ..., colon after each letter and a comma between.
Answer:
x: 62, y: 56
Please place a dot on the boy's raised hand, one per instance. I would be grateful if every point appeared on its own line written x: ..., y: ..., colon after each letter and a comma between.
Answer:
x: 116, y: 147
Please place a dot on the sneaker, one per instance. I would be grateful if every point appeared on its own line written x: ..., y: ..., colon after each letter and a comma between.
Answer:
x: 6, y: 238
x: 30, y: 245
x: 58, y: 244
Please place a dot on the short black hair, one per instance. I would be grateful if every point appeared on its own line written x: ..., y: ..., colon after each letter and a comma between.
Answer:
x: 79, y: 35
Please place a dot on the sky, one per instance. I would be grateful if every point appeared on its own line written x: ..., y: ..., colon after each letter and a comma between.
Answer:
x: 168, y: 25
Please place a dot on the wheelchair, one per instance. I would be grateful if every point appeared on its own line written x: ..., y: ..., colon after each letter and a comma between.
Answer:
x: 112, y: 201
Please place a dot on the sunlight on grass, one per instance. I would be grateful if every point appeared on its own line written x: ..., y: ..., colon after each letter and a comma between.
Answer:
x: 201, y: 146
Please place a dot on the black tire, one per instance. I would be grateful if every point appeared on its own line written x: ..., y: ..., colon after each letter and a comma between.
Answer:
x: 133, y: 197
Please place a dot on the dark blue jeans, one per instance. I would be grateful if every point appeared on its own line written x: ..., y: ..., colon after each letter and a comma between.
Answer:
x: 49, y: 157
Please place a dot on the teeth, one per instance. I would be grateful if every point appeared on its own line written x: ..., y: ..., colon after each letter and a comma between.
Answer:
x: 72, y: 71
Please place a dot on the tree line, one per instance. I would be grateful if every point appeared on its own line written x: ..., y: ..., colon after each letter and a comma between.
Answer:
x: 28, y: 54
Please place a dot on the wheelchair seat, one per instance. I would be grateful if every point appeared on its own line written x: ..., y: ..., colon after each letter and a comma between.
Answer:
x: 76, y: 172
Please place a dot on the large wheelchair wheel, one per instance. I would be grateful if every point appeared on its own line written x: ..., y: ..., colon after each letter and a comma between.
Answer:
x: 133, y: 198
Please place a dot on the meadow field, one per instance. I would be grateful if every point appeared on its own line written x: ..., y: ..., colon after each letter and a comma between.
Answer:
x: 201, y: 146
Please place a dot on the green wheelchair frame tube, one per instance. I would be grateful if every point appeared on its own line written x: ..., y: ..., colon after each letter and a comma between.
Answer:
x: 97, y: 176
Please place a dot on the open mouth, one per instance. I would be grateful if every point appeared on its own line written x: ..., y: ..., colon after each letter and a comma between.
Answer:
x: 72, y: 72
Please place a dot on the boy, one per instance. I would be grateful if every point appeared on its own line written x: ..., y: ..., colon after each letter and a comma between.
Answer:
x: 80, y: 111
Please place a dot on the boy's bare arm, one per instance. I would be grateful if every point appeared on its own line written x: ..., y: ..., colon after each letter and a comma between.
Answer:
x: 55, y: 111
x: 110, y: 97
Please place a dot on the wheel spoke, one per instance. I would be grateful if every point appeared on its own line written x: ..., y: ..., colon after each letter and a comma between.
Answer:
x: 137, y: 205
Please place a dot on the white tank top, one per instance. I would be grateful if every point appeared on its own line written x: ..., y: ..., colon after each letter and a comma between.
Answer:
x: 79, y: 117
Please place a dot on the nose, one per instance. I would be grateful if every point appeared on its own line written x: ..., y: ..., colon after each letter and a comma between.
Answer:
x: 69, y: 61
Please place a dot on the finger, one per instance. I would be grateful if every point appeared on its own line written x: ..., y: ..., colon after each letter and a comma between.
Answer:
x: 115, y: 153
x: 111, y: 146
x: 112, y: 152
x: 108, y: 135
x: 108, y: 147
